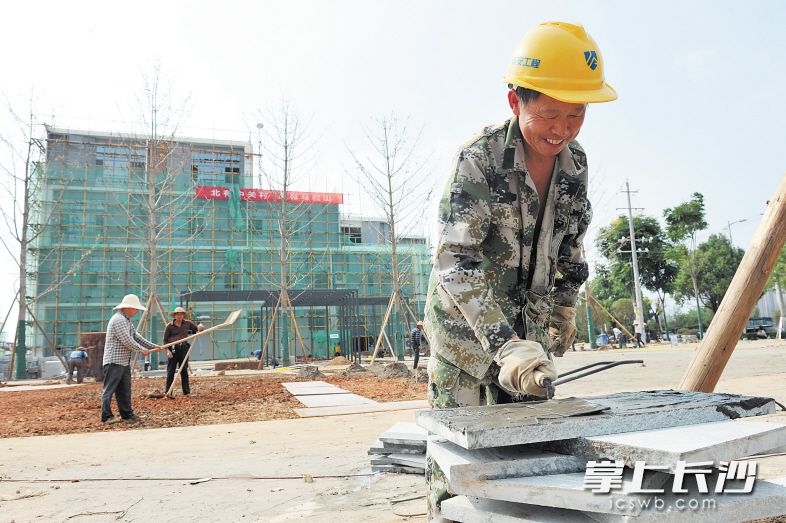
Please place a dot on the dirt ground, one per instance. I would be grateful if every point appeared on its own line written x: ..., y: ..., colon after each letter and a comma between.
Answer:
x: 262, y: 470
x: 214, y: 399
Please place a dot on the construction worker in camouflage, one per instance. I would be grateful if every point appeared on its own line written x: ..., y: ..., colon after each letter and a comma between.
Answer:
x: 509, y: 256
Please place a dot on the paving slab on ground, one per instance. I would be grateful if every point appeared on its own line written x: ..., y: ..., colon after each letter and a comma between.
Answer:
x: 334, y: 400
x: 22, y: 388
x: 562, y: 491
x: 719, y: 441
x: 405, y: 434
x: 462, y: 465
x: 467, y: 509
x: 312, y: 387
x: 398, y: 469
x: 409, y: 460
x: 521, y: 423
x: 360, y: 409
x: 767, y: 500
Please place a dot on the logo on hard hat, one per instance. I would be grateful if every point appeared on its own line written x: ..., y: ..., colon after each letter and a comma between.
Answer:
x: 526, y: 61
x: 591, y: 58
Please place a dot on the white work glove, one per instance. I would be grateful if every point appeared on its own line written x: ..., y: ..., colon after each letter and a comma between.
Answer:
x: 562, y: 329
x: 523, y: 365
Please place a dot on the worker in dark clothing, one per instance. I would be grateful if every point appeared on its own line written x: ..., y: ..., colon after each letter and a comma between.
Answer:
x: 79, y: 360
x: 416, y: 339
x: 179, y: 328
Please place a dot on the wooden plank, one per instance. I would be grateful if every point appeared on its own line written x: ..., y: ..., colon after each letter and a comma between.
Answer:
x: 522, y: 423
x: 720, y: 441
x: 361, y: 409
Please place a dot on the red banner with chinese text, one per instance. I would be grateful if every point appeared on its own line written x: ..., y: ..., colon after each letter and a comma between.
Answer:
x: 258, y: 195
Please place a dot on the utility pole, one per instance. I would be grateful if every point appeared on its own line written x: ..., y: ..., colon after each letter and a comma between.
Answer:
x: 636, y: 280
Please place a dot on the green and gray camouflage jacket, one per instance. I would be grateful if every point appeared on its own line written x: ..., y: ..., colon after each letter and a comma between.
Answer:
x: 482, y: 289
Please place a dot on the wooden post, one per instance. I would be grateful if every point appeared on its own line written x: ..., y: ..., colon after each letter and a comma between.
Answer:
x: 382, y: 330
x: 599, y: 304
x: 740, y: 298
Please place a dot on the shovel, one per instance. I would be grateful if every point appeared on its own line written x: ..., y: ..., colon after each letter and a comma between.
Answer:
x: 231, y: 319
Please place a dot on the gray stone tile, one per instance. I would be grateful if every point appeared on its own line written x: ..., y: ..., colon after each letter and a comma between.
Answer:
x: 461, y: 465
x: 719, y: 441
x: 521, y: 423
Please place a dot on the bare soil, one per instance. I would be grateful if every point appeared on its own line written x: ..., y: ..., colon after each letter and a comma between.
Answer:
x: 219, y: 399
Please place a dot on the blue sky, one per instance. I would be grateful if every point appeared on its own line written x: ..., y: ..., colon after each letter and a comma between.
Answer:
x: 701, y: 84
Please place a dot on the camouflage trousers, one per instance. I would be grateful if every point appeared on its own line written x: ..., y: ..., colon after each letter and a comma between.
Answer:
x: 450, y: 387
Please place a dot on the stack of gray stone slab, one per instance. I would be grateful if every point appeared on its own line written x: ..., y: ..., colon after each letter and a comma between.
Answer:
x: 400, y: 449
x: 528, y: 462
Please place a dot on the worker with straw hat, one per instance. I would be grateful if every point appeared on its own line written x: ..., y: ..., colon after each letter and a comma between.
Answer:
x: 509, y: 257
x: 180, y: 327
x: 121, y: 340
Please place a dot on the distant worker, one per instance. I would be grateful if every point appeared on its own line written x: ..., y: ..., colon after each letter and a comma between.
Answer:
x: 121, y: 340
x: 417, y: 338
x: 79, y: 360
x: 509, y: 258
x: 637, y: 331
x: 619, y: 336
x: 179, y: 328
x: 257, y: 354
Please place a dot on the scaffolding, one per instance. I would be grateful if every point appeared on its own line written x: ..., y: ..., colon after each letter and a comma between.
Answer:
x: 214, y: 232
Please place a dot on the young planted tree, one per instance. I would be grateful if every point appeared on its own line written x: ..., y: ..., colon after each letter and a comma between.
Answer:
x: 682, y: 223
x: 286, y: 154
x: 157, y: 197
x: 26, y: 216
x: 393, y: 178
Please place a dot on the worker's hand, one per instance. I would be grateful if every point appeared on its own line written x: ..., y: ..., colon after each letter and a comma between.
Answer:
x: 145, y: 352
x: 169, y: 354
x: 523, y: 366
x: 562, y: 329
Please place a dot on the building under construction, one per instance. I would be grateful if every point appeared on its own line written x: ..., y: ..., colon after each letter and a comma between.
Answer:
x: 119, y: 211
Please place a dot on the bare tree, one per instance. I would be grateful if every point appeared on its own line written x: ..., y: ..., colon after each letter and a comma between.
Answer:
x: 164, y: 199
x: 23, y: 171
x: 285, y: 156
x: 393, y: 177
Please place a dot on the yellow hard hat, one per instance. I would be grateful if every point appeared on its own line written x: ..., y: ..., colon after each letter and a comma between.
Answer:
x: 562, y: 61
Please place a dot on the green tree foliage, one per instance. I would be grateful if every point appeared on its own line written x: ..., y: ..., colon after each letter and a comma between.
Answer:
x: 715, y: 262
x: 581, y: 320
x: 686, y: 219
x: 686, y: 322
x: 658, y: 267
x: 682, y: 223
x: 610, y: 285
x: 623, y: 310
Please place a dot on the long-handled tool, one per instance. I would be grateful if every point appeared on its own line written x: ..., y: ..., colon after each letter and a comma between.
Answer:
x: 577, y: 373
x: 232, y: 318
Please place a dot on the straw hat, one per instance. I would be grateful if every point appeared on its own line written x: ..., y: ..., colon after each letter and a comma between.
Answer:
x: 179, y: 309
x: 130, y: 301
